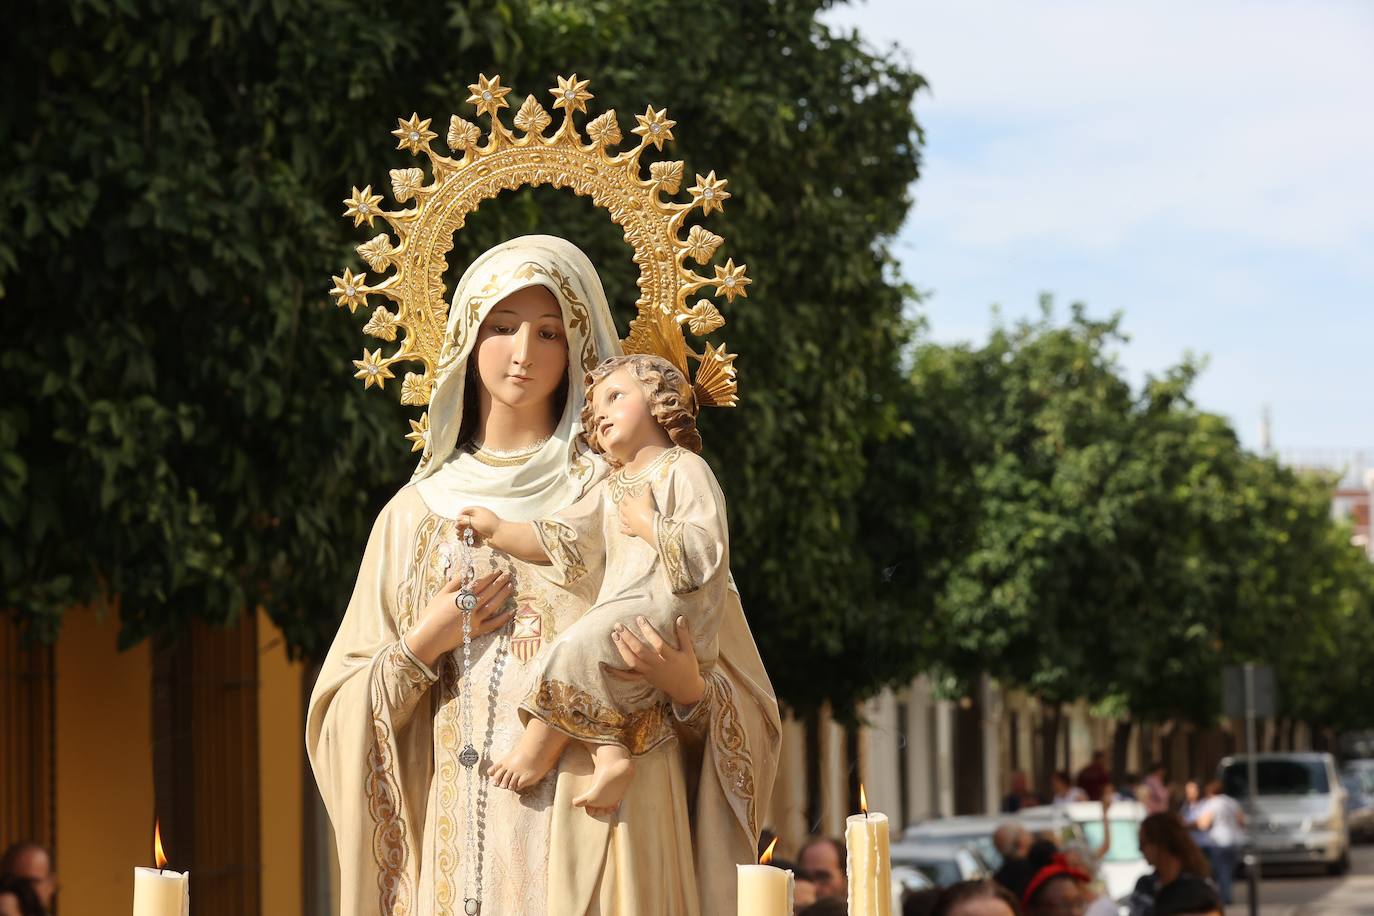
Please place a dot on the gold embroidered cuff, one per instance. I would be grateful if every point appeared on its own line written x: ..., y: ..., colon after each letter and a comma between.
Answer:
x: 559, y: 543
x: 673, y: 549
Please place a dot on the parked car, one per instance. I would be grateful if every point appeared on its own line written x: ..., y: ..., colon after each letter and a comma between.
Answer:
x: 1123, y: 864
x: 1359, y: 809
x: 966, y: 830
x: 1362, y: 769
x: 1299, y: 816
x: 943, y: 863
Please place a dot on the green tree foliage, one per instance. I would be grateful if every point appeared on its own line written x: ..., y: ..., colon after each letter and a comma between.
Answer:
x: 1078, y: 538
x: 188, y: 437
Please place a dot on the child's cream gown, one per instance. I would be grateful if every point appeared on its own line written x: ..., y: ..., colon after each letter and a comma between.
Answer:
x: 626, y: 577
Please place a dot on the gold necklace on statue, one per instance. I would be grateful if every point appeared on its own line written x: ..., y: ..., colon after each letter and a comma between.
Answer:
x: 505, y: 457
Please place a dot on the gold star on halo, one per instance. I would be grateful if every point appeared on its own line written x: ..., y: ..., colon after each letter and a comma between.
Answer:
x: 730, y: 281
x: 571, y: 94
x: 363, y: 206
x: 709, y: 192
x: 413, y: 134
x: 488, y: 95
x: 349, y: 290
x: 419, y: 433
x: 654, y: 126
x: 372, y: 370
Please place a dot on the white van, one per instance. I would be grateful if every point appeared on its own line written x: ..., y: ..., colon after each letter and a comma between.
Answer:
x: 1300, y: 816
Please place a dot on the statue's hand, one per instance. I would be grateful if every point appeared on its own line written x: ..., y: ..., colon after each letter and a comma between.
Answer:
x: 440, y: 628
x: 483, y: 522
x: 673, y: 671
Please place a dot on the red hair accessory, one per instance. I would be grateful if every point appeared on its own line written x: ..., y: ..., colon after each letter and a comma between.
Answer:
x: 1058, y: 866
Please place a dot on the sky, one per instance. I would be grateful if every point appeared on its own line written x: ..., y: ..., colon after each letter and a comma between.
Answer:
x: 1207, y: 169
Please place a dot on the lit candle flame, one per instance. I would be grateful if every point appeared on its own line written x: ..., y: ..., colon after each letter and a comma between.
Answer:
x: 768, y: 853
x: 863, y: 800
x: 158, y: 854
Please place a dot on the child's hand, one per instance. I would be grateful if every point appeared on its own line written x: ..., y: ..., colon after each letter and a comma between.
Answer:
x: 637, y: 515
x: 483, y: 522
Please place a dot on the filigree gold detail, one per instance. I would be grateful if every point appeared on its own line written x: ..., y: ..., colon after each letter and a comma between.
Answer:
x: 532, y: 118
x: 405, y: 182
x: 382, y: 325
x: 349, y: 290
x: 413, y: 134
x: 481, y: 167
x: 703, y: 318
x: 419, y: 433
x: 414, y: 390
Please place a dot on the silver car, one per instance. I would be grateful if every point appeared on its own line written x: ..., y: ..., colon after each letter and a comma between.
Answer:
x: 1299, y: 816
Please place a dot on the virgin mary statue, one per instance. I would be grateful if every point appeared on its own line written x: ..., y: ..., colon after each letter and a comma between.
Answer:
x: 397, y: 715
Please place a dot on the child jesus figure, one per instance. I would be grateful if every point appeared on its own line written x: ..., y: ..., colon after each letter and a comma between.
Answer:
x: 649, y: 542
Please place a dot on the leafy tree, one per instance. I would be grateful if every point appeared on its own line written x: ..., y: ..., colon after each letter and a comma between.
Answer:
x: 188, y: 438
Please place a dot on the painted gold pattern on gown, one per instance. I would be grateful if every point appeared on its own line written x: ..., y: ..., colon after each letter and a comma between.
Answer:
x: 577, y: 713
x: 622, y: 485
x: 389, y: 849
x: 673, y: 551
x: 559, y: 541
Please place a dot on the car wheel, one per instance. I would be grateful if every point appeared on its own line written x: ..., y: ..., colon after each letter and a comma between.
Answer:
x: 1342, y: 865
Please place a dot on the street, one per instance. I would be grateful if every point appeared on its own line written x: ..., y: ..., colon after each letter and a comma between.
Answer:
x: 1296, y: 893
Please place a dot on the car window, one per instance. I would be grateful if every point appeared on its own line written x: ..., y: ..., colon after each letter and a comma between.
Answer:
x: 1125, y: 839
x: 1278, y: 777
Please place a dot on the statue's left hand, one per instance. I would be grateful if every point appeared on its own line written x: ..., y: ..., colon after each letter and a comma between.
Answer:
x: 673, y: 671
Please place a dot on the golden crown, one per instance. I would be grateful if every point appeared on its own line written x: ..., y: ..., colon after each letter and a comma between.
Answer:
x: 654, y: 225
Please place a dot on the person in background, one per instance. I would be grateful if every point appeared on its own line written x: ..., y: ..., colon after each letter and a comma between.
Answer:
x: 1153, y: 793
x: 1020, y: 795
x: 823, y: 859
x: 975, y: 898
x: 17, y: 897
x: 922, y: 902
x: 1065, y: 792
x: 1128, y: 788
x: 826, y: 906
x: 1095, y: 779
x: 31, y: 862
x: 1056, y: 890
x: 1096, y: 899
x: 1179, y: 867
x: 1222, y: 821
x: 1013, y: 843
x: 1189, y: 811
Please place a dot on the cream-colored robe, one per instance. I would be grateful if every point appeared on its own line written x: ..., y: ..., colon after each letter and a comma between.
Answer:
x: 384, y: 734
x: 685, y: 574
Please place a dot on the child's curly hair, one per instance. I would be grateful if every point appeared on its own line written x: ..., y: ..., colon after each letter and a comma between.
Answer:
x: 671, y: 401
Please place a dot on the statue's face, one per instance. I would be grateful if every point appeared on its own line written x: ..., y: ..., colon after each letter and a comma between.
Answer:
x: 623, y: 420
x: 522, y: 348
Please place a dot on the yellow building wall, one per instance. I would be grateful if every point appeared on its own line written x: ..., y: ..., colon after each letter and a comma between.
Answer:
x: 281, y: 761
x: 103, y: 733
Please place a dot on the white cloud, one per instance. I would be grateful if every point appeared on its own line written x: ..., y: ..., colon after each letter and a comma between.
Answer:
x: 1084, y: 123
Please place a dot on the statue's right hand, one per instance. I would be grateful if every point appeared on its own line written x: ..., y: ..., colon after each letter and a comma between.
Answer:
x: 440, y: 628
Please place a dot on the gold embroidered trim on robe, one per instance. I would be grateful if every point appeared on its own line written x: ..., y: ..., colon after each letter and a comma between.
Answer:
x: 621, y: 485
x: 575, y: 712
x: 672, y: 548
x: 727, y: 734
x: 559, y: 541
x: 389, y: 850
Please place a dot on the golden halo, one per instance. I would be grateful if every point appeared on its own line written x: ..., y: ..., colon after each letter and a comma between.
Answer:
x: 653, y: 224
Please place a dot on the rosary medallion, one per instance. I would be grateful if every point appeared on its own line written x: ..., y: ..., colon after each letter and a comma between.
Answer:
x: 468, y: 757
x: 471, y: 906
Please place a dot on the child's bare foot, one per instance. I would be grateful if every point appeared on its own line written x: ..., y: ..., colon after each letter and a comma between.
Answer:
x: 610, y: 780
x: 530, y: 760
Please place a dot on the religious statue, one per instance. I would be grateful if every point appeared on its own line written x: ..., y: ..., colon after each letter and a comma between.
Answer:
x: 444, y: 638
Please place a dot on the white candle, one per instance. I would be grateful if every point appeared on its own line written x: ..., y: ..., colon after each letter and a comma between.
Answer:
x: 764, y: 891
x: 161, y: 893
x: 869, y: 867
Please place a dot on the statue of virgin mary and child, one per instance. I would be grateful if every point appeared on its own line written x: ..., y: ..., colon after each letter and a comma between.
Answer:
x: 412, y: 707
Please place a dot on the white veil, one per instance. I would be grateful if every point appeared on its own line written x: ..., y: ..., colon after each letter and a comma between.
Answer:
x: 449, y: 478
